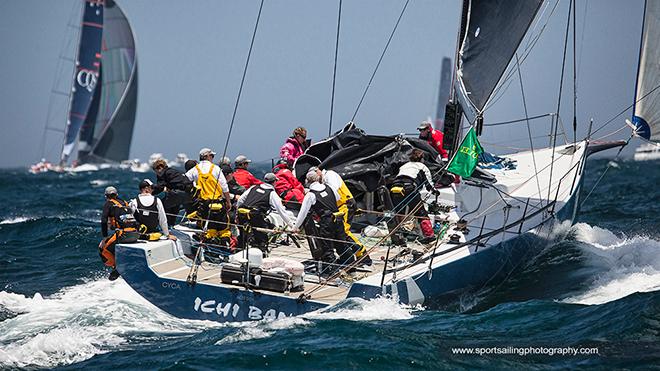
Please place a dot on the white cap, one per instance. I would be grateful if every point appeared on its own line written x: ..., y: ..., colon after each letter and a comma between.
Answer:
x: 110, y: 190
x: 241, y: 159
x: 205, y: 151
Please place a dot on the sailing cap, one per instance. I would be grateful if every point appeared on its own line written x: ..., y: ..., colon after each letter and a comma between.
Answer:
x: 205, y: 151
x: 110, y: 191
x: 240, y: 159
x: 424, y: 125
x: 146, y: 183
x: 270, y: 178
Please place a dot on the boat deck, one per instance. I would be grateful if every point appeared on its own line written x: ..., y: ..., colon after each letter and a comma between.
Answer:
x: 178, y: 266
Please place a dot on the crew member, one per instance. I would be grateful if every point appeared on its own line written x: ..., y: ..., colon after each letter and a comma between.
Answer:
x: 211, y: 190
x: 432, y: 136
x: 150, y: 212
x: 241, y: 173
x: 321, y: 218
x: 412, y: 176
x: 235, y: 189
x: 118, y: 217
x: 287, y: 186
x: 252, y: 208
x: 295, y: 145
x: 347, y: 205
x: 177, y: 187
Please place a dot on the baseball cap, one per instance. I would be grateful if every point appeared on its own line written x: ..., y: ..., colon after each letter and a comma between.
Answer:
x: 206, y: 151
x: 110, y: 191
x: 241, y: 159
x: 270, y: 178
x: 146, y: 183
x: 424, y: 125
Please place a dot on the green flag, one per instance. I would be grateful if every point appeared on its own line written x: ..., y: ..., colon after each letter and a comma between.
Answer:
x: 466, y: 158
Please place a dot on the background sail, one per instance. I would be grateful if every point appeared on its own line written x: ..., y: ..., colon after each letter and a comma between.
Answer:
x: 494, y: 30
x: 86, y: 74
x: 113, y: 126
x: 646, y: 117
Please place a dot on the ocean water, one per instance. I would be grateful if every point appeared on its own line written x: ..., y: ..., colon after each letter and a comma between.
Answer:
x: 597, y: 289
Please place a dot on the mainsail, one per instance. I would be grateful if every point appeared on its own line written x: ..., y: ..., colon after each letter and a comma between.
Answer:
x: 107, y: 134
x: 86, y: 73
x: 646, y: 116
x: 493, y: 29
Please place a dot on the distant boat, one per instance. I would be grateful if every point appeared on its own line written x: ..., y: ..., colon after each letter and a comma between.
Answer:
x: 103, y: 95
x: 646, y: 111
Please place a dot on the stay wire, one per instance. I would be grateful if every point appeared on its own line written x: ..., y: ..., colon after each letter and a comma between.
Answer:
x: 609, y: 165
x: 334, y: 70
x: 529, y: 129
x: 240, y: 89
x: 366, y: 89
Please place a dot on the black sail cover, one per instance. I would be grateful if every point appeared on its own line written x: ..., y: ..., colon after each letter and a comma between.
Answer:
x: 494, y: 30
x: 108, y: 131
x: 365, y: 162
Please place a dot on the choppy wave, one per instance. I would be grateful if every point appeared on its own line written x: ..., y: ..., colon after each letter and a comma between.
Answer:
x: 16, y: 220
x: 79, y: 322
x: 629, y: 264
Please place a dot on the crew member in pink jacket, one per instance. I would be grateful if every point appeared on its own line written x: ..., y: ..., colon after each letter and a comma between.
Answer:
x: 295, y: 145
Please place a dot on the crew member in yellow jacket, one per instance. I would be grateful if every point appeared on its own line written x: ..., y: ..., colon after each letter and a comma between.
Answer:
x: 346, y: 205
x: 212, y: 188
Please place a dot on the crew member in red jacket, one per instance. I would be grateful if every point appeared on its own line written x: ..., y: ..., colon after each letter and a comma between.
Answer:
x: 287, y: 186
x: 241, y: 173
x: 434, y: 137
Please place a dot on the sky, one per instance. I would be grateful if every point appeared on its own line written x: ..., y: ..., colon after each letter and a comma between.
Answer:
x: 191, y: 56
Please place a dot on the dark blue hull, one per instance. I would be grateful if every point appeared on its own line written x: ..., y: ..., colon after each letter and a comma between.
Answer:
x: 204, y: 302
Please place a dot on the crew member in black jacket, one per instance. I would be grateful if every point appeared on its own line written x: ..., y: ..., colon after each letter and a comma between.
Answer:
x: 177, y: 186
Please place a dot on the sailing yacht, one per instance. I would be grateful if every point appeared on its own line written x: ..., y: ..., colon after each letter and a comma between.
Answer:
x: 103, y: 96
x: 492, y: 222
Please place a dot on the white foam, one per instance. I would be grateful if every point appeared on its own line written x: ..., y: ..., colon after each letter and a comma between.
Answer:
x: 260, y: 330
x: 99, y: 182
x: 356, y: 309
x: 79, y: 322
x: 629, y: 265
x: 16, y: 220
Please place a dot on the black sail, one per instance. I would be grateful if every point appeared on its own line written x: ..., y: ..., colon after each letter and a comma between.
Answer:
x: 494, y: 30
x: 115, y: 119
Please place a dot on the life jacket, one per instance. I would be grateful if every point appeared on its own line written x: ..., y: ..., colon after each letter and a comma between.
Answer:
x: 326, y: 203
x: 209, y: 189
x: 147, y: 215
x: 258, y: 199
x: 121, y: 215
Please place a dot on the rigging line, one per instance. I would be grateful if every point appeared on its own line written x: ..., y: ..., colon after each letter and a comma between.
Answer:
x: 334, y: 70
x: 522, y: 119
x: 609, y: 164
x: 625, y: 109
x: 366, y: 89
x: 529, y: 129
x: 584, y: 26
x: 553, y: 138
x: 612, y: 133
x: 240, y: 89
x: 574, y: 83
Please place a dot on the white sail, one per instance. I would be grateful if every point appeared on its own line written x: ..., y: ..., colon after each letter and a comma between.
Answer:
x: 646, y: 117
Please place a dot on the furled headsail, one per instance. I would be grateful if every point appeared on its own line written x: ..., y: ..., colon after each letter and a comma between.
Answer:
x: 85, y: 80
x: 107, y: 134
x: 491, y: 31
x: 646, y: 115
